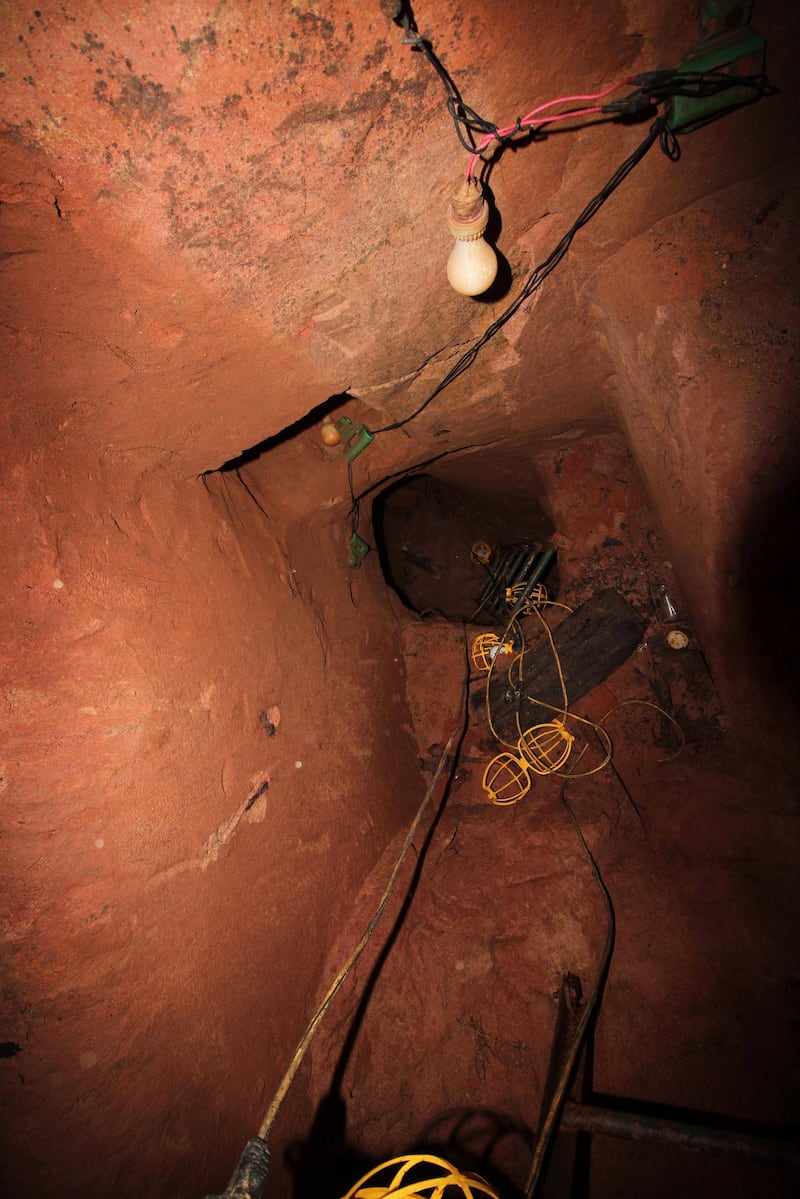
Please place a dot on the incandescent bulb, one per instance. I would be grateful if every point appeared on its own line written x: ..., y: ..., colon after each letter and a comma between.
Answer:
x: 329, y: 433
x: 471, y: 267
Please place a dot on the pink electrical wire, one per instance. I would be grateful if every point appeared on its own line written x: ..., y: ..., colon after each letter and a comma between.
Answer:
x: 527, y: 121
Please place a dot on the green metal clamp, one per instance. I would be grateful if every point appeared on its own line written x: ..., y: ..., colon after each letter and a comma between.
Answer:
x: 357, y: 551
x: 355, y: 438
x: 739, y: 52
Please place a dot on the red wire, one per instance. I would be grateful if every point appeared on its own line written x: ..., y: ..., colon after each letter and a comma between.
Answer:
x: 570, y: 99
x: 528, y: 120
x: 564, y: 116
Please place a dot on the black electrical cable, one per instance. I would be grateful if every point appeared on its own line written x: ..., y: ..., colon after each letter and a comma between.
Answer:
x: 659, y: 131
x: 466, y: 120
x: 699, y: 84
x: 653, y: 87
x: 656, y: 87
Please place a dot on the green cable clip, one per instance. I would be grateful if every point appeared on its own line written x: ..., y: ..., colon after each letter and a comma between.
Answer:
x: 355, y: 438
x: 358, y: 550
x: 739, y: 53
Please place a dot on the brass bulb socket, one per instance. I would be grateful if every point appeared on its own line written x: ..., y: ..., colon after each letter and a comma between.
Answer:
x: 468, y: 212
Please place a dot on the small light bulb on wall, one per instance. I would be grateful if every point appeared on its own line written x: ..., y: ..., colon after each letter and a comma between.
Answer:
x: 472, y: 265
x: 329, y: 433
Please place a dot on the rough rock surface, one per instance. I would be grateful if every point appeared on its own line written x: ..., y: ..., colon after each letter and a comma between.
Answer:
x: 214, y: 220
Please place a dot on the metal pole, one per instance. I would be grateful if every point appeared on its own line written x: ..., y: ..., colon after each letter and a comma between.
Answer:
x: 538, y: 571
x: 699, y: 1138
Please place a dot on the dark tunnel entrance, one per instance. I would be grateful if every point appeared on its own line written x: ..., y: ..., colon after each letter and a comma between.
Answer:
x: 441, y: 545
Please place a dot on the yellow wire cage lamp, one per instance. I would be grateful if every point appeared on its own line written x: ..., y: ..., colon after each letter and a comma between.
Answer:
x: 546, y: 747
x: 535, y: 598
x: 485, y: 648
x: 419, y: 1176
x: 506, y: 779
x: 480, y: 552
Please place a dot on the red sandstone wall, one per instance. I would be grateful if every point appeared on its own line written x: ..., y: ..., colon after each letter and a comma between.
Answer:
x: 708, y: 381
x: 167, y: 929
x: 212, y: 222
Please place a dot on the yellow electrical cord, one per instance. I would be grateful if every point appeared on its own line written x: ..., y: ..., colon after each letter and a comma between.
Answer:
x: 648, y: 704
x: 592, y: 724
x: 563, y: 713
x: 514, y: 624
x: 490, y: 672
x: 545, y: 748
x: 316, y: 1020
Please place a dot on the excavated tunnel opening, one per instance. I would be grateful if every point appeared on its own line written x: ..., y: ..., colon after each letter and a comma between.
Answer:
x: 440, y: 544
x: 461, y: 538
x: 231, y: 675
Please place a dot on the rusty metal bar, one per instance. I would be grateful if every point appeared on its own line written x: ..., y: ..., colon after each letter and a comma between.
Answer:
x: 699, y: 1138
x: 567, y: 1018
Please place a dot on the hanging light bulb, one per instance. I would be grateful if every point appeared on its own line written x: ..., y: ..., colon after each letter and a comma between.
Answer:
x: 472, y: 265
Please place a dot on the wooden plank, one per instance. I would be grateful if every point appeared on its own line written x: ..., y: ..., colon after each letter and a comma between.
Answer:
x: 592, y: 642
